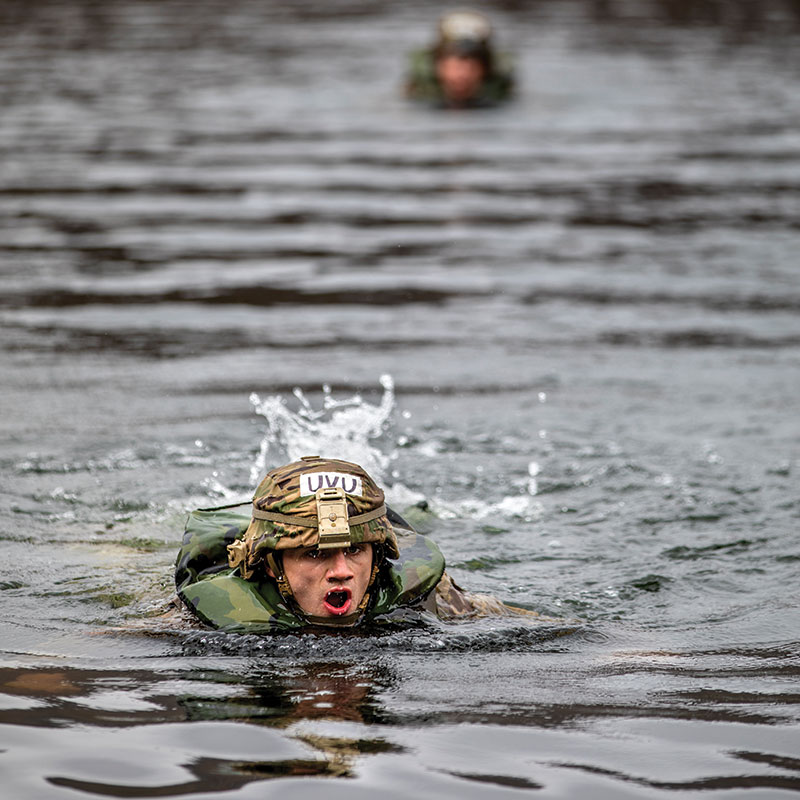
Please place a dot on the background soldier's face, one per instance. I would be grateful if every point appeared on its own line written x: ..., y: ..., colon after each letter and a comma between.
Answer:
x: 459, y: 77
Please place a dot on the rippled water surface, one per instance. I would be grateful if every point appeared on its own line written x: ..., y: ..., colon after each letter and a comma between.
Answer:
x: 569, y: 326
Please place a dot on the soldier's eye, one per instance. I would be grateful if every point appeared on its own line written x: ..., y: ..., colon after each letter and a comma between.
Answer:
x: 354, y: 549
x: 315, y: 553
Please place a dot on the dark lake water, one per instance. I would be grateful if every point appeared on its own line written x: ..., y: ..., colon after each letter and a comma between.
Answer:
x: 569, y: 324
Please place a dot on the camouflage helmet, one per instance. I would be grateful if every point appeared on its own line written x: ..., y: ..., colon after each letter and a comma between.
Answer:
x: 314, y: 502
x: 465, y: 25
x: 466, y: 33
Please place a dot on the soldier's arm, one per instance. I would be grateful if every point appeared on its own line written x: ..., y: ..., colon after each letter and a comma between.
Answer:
x: 449, y: 601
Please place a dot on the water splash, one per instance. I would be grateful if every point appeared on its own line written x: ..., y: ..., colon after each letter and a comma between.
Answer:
x: 349, y: 428
x: 518, y: 506
x: 353, y: 429
x: 218, y: 489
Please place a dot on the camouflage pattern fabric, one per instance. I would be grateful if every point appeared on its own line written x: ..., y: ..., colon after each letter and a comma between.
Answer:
x: 422, y: 85
x: 222, y: 599
x: 451, y: 602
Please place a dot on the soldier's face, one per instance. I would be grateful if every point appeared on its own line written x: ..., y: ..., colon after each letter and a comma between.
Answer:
x: 459, y: 77
x: 328, y: 583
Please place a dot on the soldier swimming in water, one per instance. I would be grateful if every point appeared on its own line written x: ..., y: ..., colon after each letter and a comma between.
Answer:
x: 319, y: 548
x: 462, y: 69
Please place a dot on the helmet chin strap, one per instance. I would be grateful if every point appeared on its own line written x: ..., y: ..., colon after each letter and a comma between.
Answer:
x: 276, y: 568
x: 275, y: 565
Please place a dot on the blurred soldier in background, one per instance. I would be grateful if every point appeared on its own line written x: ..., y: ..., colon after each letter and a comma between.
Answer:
x: 461, y: 70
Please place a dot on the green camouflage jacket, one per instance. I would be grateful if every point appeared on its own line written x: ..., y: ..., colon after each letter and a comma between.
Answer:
x: 223, y: 600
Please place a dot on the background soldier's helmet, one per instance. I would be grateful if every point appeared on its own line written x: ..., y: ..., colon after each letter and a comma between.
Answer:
x: 313, y: 502
x: 465, y: 33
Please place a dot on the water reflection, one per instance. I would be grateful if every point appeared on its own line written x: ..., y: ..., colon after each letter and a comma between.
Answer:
x: 278, y: 698
x: 210, y: 775
x: 150, y: 703
x: 217, y: 724
x: 292, y: 692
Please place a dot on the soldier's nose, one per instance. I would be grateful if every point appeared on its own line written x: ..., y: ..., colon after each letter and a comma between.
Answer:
x: 339, y: 568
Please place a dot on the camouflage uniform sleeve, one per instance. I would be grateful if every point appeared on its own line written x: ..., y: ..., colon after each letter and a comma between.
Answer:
x: 421, y: 83
x: 449, y: 601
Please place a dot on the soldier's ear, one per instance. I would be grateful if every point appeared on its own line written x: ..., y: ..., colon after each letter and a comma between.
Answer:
x: 271, y: 566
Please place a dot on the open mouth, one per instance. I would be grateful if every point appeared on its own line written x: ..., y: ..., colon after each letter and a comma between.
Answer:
x: 338, y: 601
